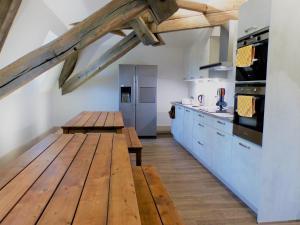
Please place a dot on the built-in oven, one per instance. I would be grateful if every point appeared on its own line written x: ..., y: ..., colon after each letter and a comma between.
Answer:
x: 250, y: 128
x: 258, y: 70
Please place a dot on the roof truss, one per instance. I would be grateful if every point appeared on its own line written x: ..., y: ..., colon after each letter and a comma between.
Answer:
x: 147, y: 18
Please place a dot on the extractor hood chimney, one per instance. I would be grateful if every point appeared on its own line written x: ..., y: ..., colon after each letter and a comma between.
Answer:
x: 228, y: 39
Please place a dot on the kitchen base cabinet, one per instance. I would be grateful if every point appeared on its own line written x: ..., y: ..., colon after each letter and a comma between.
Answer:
x: 188, y: 129
x: 246, y: 159
x: 177, y: 124
x: 221, y: 152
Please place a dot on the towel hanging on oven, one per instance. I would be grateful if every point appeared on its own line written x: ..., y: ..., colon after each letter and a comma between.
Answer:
x: 246, y: 106
x: 245, y: 56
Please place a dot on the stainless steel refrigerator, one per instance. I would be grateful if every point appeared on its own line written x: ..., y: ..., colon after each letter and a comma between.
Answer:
x: 138, y: 98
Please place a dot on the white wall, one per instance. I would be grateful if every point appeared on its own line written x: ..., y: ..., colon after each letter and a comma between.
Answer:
x: 26, y: 113
x: 280, y: 197
x: 39, y: 105
x: 102, y: 91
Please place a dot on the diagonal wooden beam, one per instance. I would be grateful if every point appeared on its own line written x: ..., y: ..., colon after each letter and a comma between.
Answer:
x: 8, y: 12
x: 191, y: 5
x: 162, y: 9
x: 194, y: 21
x: 119, y: 33
x: 110, y: 17
x: 68, y: 68
x: 109, y: 57
x: 143, y: 32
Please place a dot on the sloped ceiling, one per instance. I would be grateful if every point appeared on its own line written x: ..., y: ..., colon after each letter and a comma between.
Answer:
x: 70, y: 11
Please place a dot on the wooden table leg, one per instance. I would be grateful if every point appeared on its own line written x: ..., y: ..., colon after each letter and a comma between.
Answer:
x: 139, y: 157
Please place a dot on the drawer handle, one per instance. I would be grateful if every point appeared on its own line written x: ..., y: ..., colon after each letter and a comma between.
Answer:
x: 200, y: 115
x: 222, y: 123
x: 200, y: 143
x: 244, y: 146
x: 221, y: 135
x: 200, y: 125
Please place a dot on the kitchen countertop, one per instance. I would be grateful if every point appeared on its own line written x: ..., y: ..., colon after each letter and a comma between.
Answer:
x: 227, y: 116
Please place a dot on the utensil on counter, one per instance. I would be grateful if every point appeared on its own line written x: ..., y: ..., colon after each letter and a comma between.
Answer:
x: 221, y: 102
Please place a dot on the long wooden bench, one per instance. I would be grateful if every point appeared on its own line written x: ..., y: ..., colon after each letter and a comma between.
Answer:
x: 71, y: 179
x: 154, y: 201
x: 134, y: 143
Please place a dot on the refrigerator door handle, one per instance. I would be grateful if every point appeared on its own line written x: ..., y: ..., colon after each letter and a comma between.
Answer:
x: 137, y: 97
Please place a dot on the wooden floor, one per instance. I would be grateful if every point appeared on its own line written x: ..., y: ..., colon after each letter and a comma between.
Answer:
x: 199, y: 197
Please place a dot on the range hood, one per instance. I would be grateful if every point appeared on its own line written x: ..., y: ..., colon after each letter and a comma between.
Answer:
x: 227, y: 41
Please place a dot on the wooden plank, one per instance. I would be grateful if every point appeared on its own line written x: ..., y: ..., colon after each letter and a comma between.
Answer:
x: 14, y: 190
x: 148, y: 212
x: 93, y: 205
x: 61, y: 209
x: 195, y: 22
x: 8, y: 12
x: 192, y: 5
x: 162, y: 10
x: 102, y: 119
x: 74, y: 120
x: 110, y: 120
x: 32, y: 204
x: 165, y: 205
x: 13, y: 169
x: 123, y: 206
x: 93, y: 119
x: 68, y: 68
x: 135, y: 141
x: 28, y: 67
x: 83, y: 120
x: 119, y: 33
x: 109, y: 57
x: 161, y: 41
x: 118, y: 122
x: 127, y: 136
x: 143, y: 32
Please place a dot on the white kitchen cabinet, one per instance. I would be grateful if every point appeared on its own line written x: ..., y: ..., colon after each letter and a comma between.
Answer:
x: 201, y: 140
x: 221, y: 154
x: 254, y: 15
x: 178, y: 124
x: 188, y: 129
x: 246, y: 160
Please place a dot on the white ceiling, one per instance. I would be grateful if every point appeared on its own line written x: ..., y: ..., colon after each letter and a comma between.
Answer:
x: 70, y: 11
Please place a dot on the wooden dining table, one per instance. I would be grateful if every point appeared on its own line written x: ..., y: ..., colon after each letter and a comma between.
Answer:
x: 71, y: 179
x: 87, y: 122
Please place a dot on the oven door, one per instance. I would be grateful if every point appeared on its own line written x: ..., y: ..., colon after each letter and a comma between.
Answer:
x: 250, y: 129
x: 258, y: 71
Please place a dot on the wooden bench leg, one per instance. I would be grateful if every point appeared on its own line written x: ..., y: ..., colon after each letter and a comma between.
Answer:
x: 139, y: 157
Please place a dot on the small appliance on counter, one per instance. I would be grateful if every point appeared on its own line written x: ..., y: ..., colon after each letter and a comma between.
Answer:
x: 201, y: 100
x: 221, y: 102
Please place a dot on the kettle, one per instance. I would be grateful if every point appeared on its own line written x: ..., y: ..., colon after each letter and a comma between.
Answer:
x: 201, y: 100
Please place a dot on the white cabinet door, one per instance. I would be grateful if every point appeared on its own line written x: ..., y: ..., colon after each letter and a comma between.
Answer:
x: 221, y: 151
x: 188, y: 129
x: 178, y: 124
x: 254, y: 15
x: 246, y: 159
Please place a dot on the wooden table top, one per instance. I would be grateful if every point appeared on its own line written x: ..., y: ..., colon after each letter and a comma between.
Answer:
x: 71, y: 179
x: 96, y: 120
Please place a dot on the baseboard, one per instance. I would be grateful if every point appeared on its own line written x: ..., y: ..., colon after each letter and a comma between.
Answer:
x: 4, y: 160
x: 163, y: 130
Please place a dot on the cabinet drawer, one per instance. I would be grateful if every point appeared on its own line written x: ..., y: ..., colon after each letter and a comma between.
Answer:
x: 200, y: 130
x: 201, y: 118
x: 222, y: 125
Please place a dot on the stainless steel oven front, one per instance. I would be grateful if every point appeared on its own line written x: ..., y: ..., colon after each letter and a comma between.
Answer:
x: 250, y: 128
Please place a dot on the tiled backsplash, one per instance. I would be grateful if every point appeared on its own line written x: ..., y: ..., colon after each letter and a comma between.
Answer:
x: 209, y: 88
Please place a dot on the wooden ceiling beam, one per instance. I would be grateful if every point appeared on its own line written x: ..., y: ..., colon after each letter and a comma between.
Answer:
x: 194, y: 21
x: 143, y: 32
x: 68, y: 68
x: 115, y: 14
x: 119, y: 33
x: 109, y: 57
x: 191, y: 5
x: 8, y: 12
